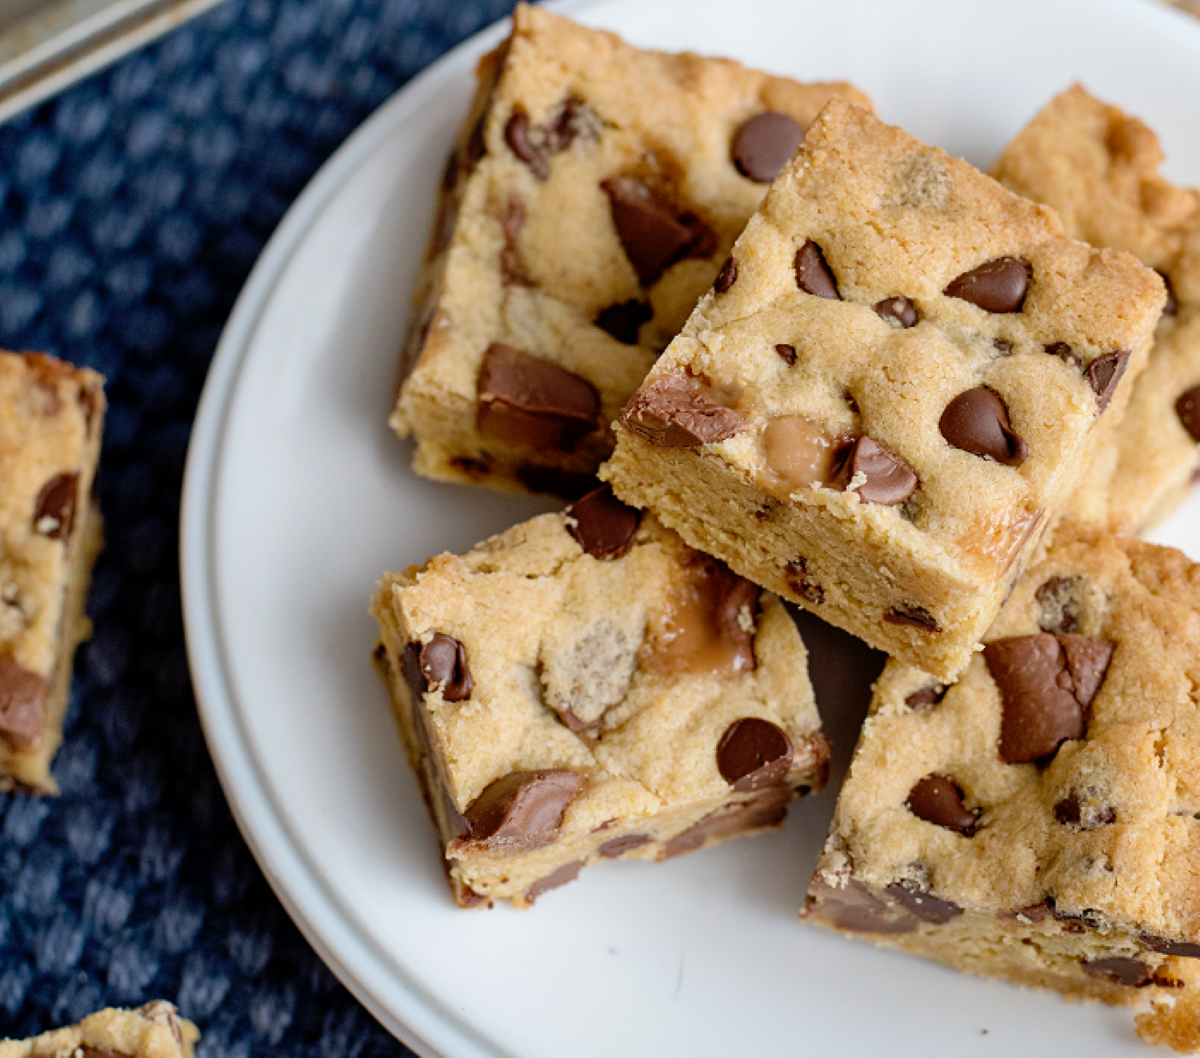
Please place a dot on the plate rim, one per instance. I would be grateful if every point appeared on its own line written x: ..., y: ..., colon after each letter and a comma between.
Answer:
x: 412, y: 1014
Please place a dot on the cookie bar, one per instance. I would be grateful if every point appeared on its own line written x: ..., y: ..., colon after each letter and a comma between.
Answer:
x: 1038, y: 820
x: 153, y: 1031
x: 889, y: 388
x: 1098, y: 168
x: 51, y: 415
x: 585, y: 687
x: 591, y: 199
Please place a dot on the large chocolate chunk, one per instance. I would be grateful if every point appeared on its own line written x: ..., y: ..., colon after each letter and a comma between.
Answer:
x: 922, y: 903
x: 601, y: 524
x: 615, y: 847
x: 442, y: 661
x: 855, y: 909
x: 764, y: 144
x: 1119, y: 969
x: 523, y: 810
x: 767, y: 808
x: 517, y: 134
x: 754, y: 753
x: 938, y: 800
x: 568, y: 872
x: 708, y: 624
x: 653, y: 233
x: 673, y: 413
x: 54, y: 512
x: 1187, y: 407
x: 22, y: 702
x: 527, y: 400
x: 624, y: 320
x: 996, y: 286
x: 977, y: 422
x: 886, y: 478
x: 1046, y: 682
x: 813, y: 275
x: 1179, y: 948
x: 1104, y: 373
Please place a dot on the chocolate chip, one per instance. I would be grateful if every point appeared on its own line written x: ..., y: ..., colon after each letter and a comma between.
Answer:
x: 1065, y: 353
x: 764, y: 144
x: 517, y: 136
x: 568, y: 872
x: 855, y: 909
x: 652, y: 232
x: 1179, y: 948
x: 522, y: 810
x: 1187, y: 407
x: 555, y: 481
x: 1032, y: 914
x: 753, y: 753
x: 1003, y: 346
x: 511, y: 266
x: 615, y: 847
x: 1104, y: 373
x: 473, y: 468
x: 1084, y: 921
x: 938, y: 800
x: 443, y: 660
x: 887, y: 479
x: 923, y: 904
x: 899, y: 312
x: 801, y: 581
x: 1046, y: 682
x: 726, y: 277
x: 573, y: 117
x: 1086, y: 812
x: 813, y: 275
x: 624, y: 320
x: 1059, y: 599
x: 926, y: 696
x: 22, y: 702
x: 530, y: 401
x: 1171, y: 308
x: 913, y: 616
x: 977, y: 422
x: 673, y: 413
x: 1120, y: 970
x: 54, y: 512
x: 767, y: 808
x: 601, y: 524
x: 996, y: 286
x: 787, y: 353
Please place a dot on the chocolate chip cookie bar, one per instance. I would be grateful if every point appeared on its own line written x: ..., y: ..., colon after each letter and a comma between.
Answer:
x: 591, y: 199
x: 1039, y: 820
x: 585, y: 687
x: 51, y: 415
x: 889, y: 388
x: 153, y: 1031
x: 1098, y: 167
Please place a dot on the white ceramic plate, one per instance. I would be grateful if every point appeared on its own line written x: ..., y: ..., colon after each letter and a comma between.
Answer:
x: 297, y: 497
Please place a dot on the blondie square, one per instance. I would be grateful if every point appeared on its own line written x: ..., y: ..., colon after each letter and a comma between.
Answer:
x: 594, y: 192
x: 1098, y: 167
x: 1039, y: 820
x: 890, y: 387
x: 585, y: 687
x: 51, y: 415
x: 153, y: 1031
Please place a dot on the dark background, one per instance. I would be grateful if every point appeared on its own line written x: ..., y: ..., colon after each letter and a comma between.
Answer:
x: 132, y: 208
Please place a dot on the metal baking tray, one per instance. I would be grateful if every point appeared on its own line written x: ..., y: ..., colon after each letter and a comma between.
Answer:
x: 46, y: 45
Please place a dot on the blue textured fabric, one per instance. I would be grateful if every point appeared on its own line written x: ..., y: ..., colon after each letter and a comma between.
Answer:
x: 131, y: 210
